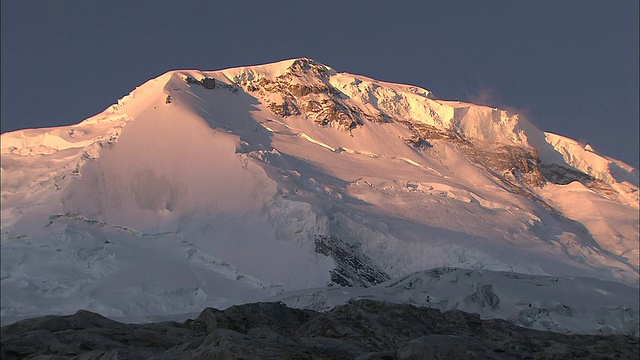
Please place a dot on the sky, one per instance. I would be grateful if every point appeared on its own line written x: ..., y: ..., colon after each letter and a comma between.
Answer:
x: 570, y: 66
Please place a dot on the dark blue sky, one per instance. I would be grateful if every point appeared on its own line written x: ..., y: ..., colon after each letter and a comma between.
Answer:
x: 571, y: 66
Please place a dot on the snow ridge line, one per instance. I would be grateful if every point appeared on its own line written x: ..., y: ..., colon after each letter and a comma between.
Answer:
x: 229, y: 271
x: 98, y: 223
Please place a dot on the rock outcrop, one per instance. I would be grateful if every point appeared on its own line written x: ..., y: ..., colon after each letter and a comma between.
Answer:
x: 359, y: 330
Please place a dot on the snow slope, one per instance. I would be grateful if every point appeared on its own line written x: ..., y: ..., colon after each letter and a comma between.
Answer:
x: 558, y: 304
x: 289, y: 176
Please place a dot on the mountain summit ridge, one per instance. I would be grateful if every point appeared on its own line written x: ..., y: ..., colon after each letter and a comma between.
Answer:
x: 291, y: 175
x: 303, y: 77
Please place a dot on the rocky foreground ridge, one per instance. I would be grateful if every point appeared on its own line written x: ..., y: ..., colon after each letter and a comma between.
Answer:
x: 362, y: 329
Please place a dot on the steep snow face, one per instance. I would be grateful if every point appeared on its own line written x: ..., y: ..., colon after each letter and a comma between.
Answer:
x: 221, y: 187
x: 157, y: 220
x: 585, y: 159
x: 409, y: 103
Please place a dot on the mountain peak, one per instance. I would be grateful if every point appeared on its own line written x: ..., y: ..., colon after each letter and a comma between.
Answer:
x: 306, y: 64
x: 238, y: 184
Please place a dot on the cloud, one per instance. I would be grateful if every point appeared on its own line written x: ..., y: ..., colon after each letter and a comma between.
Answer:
x: 489, y: 96
x: 483, y: 96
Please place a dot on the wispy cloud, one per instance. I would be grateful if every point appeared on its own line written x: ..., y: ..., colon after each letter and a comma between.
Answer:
x: 489, y: 96
x: 483, y: 96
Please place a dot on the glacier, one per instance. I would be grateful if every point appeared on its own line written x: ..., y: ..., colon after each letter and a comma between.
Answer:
x: 215, y: 188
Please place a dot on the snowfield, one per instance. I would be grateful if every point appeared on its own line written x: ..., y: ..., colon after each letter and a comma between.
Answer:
x: 558, y: 304
x: 291, y: 176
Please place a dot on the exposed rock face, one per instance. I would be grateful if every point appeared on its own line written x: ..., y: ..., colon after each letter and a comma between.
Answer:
x: 319, y: 100
x: 352, y: 267
x: 360, y: 330
x: 205, y: 82
x: 557, y: 174
x: 563, y: 176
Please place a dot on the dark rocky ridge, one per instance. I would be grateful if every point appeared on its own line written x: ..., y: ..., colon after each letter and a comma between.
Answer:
x: 360, y: 330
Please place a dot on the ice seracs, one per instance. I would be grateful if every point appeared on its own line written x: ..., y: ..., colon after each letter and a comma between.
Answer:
x: 559, y: 304
x: 292, y: 175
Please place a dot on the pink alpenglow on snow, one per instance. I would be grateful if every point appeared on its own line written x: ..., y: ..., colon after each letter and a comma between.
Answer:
x: 255, y: 181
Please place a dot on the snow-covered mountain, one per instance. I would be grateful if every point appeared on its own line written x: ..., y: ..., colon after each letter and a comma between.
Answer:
x: 222, y: 187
